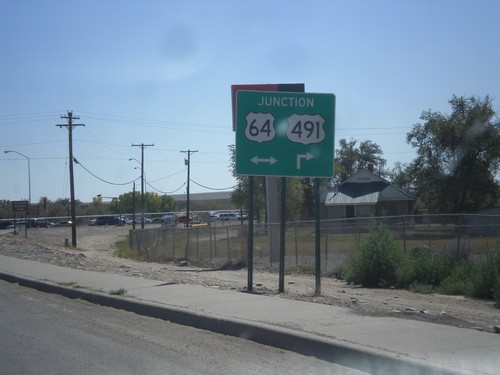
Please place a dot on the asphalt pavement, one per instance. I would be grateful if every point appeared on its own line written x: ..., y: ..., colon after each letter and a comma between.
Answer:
x: 376, y: 345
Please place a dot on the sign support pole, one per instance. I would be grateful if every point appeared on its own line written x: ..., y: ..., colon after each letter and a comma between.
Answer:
x: 272, y: 217
x: 317, y: 238
x: 250, y: 235
x: 282, y: 236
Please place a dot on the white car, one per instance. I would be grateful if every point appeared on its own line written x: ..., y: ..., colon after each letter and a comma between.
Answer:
x: 227, y: 217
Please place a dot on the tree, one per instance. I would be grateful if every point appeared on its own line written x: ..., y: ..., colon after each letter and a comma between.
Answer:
x: 458, y: 156
x: 349, y: 158
x: 58, y: 208
x: 153, y: 202
x: 401, y: 176
x: 5, y: 209
x: 294, y: 198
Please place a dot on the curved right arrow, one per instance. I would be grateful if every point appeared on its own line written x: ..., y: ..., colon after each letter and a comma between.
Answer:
x: 306, y: 156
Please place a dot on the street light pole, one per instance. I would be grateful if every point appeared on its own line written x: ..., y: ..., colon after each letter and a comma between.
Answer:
x: 29, y: 173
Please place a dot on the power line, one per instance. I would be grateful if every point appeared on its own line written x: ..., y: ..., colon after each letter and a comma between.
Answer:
x: 209, y: 188
x: 170, y: 175
x: 166, y: 192
x: 100, y: 179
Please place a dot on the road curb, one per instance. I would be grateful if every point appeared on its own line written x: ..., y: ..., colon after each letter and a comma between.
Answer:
x: 346, y: 354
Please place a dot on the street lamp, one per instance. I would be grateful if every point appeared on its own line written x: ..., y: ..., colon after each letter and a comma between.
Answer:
x: 29, y: 173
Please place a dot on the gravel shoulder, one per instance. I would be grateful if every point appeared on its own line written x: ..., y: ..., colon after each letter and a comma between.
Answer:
x: 96, y: 247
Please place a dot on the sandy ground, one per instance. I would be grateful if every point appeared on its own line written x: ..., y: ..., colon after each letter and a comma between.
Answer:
x: 97, y: 245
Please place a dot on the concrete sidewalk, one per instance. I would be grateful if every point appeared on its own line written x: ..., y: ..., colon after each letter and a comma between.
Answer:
x: 377, y: 345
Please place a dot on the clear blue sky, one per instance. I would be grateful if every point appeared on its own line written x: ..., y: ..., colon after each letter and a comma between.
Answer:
x: 160, y: 72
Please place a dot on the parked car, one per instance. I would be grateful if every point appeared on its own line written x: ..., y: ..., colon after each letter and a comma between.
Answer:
x: 109, y: 220
x: 63, y: 224
x: 41, y: 223
x: 184, y: 218
x: 4, y: 224
x: 17, y: 225
x: 227, y: 216
x: 168, y: 219
x: 138, y: 220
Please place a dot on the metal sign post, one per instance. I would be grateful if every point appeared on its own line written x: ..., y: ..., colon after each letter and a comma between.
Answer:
x: 286, y: 134
x: 20, y: 206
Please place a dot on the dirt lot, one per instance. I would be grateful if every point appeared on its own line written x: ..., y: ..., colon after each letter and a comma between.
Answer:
x: 96, y: 246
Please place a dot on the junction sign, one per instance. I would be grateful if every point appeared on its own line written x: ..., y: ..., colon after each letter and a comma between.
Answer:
x: 284, y: 134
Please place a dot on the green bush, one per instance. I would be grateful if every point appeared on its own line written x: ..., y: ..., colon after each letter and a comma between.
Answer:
x: 431, y: 268
x: 485, y: 282
x: 459, y: 282
x: 496, y: 290
x: 480, y: 279
x: 378, y: 262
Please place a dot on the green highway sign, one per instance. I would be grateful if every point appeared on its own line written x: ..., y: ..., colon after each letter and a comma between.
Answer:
x: 284, y: 134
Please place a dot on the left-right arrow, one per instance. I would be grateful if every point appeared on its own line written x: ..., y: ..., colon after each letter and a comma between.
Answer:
x: 257, y: 160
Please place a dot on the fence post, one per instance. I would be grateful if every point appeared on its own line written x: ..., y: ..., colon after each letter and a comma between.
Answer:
x: 404, y: 234
x: 429, y: 235
x: 188, y: 230
x: 296, y: 245
x: 211, y: 243
x: 358, y: 234
x: 228, y: 252
x: 459, y: 233
x: 174, y: 242
x: 326, y: 248
x: 158, y: 235
x: 197, y: 244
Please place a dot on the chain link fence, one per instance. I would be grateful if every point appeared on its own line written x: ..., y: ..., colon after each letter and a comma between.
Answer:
x: 219, y: 245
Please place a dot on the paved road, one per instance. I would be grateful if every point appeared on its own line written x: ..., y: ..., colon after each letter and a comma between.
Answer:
x: 50, y: 334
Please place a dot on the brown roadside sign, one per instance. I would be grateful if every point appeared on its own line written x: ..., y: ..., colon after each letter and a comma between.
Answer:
x: 20, y: 206
x: 34, y: 209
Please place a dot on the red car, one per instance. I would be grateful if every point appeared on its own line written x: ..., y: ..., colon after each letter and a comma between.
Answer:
x: 183, y: 219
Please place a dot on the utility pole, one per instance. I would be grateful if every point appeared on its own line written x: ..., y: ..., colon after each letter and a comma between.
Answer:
x: 188, y: 163
x: 142, y: 146
x: 70, y: 125
x: 133, y: 205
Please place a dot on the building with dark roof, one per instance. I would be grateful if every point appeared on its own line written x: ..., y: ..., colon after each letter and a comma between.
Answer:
x: 365, y: 194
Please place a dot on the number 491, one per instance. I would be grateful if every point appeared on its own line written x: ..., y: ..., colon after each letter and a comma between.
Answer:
x: 305, y: 129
